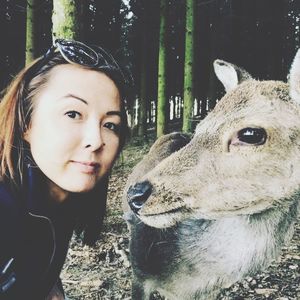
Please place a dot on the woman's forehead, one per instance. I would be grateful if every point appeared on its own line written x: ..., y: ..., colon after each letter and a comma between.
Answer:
x: 91, y: 87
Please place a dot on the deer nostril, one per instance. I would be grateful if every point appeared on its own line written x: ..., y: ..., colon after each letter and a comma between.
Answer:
x: 138, y: 194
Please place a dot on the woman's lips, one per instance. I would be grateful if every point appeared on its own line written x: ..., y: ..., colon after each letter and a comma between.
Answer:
x: 87, y: 167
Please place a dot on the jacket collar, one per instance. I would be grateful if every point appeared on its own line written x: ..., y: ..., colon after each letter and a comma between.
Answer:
x: 35, y: 191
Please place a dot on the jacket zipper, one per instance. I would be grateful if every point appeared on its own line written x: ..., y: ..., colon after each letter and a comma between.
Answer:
x: 53, y: 236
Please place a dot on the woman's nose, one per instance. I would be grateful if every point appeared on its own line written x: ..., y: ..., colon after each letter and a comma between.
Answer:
x: 93, y: 139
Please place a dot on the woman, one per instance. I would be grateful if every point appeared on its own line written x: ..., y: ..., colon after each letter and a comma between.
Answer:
x: 62, y: 125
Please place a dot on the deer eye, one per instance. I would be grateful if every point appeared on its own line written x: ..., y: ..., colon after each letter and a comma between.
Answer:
x: 252, y: 136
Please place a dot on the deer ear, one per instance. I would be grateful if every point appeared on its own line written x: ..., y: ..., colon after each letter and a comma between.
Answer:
x: 229, y: 74
x: 294, y: 78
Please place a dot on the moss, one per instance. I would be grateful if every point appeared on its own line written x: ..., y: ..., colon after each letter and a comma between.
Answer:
x: 64, y: 19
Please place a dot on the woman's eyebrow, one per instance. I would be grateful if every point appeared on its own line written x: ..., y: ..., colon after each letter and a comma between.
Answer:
x: 109, y: 113
x: 76, y: 97
x: 114, y: 112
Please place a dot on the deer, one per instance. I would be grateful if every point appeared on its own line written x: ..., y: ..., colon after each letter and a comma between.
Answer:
x: 207, y: 210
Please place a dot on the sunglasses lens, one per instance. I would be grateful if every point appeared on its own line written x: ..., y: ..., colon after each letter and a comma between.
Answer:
x: 77, y: 52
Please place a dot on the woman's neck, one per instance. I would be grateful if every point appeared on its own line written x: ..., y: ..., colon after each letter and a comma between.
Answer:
x: 56, y: 194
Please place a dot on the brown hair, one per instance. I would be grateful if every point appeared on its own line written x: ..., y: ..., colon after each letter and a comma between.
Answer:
x: 12, y: 128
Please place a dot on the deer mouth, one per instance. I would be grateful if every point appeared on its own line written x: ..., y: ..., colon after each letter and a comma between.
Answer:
x: 164, y: 219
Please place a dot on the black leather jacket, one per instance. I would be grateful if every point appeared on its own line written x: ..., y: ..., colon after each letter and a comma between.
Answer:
x: 34, y: 240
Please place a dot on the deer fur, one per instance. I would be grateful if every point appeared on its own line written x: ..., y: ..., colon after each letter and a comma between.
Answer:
x: 206, y: 212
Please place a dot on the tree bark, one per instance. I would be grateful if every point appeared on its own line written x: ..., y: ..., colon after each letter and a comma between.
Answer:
x: 188, y: 95
x: 142, y: 123
x: 162, y: 91
x: 30, y: 31
x: 65, y: 19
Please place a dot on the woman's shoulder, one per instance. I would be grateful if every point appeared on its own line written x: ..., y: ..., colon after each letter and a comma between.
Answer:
x: 10, y: 220
x: 8, y: 198
x: 10, y: 208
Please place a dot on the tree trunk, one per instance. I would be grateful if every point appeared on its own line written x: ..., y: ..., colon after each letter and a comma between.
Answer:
x: 65, y: 19
x: 188, y: 96
x: 214, y: 45
x: 162, y: 91
x: 146, y: 24
x: 30, y: 31
x: 142, y: 123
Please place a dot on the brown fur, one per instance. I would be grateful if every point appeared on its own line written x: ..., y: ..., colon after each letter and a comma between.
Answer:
x: 217, y: 209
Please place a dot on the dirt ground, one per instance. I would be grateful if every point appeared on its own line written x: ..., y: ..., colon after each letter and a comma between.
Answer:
x: 103, y: 272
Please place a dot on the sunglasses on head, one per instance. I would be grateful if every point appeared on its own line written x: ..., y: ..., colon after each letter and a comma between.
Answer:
x: 78, y: 53
x: 75, y: 52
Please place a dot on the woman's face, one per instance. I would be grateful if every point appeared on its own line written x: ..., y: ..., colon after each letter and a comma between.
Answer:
x: 73, y: 134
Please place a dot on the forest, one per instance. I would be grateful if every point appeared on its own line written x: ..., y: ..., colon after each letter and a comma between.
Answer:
x: 167, y: 46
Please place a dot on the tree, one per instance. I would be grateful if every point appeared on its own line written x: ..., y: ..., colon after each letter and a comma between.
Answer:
x: 13, y: 35
x: 188, y: 96
x: 162, y: 91
x: 65, y: 19
x: 142, y: 122
x: 142, y: 44
x: 30, y: 31
x: 175, y: 61
x: 146, y: 24
x: 102, y: 23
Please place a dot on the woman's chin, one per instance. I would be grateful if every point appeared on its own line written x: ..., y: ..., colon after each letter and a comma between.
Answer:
x: 81, y: 188
x: 60, y: 191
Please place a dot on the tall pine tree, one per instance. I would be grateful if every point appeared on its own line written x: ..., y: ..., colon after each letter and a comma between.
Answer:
x: 188, y: 96
x: 162, y: 90
x: 30, y: 31
x: 65, y: 19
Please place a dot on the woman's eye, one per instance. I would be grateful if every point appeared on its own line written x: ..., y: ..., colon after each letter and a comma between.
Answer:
x: 252, y: 136
x: 112, y: 126
x: 73, y: 114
